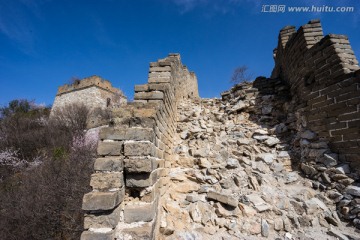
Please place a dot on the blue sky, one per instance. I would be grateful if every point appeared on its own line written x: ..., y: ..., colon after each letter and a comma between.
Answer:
x: 44, y: 43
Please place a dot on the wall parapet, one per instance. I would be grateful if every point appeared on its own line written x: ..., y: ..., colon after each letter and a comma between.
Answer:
x: 323, y: 75
x: 93, y: 81
x: 134, y: 154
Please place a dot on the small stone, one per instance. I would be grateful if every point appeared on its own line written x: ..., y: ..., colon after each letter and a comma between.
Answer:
x: 186, y: 187
x: 298, y: 207
x: 330, y: 218
x: 304, y: 142
x: 308, y: 135
x: 308, y: 170
x: 334, y: 194
x: 281, y: 128
x: 261, y: 131
x: 244, y: 141
x: 260, y: 137
x: 271, y: 141
x: 287, y: 225
x: 259, y: 204
x: 288, y: 236
x: 291, y: 177
x: 330, y: 160
x: 239, y: 106
x: 344, y: 202
x: 201, y: 152
x: 319, y: 145
x: 344, y: 168
x: 278, y: 224
x: 255, y: 228
x: 353, y: 190
x: 283, y: 154
x: 264, y: 228
x: 223, y: 198
x: 315, y: 222
x: 195, y: 213
x: 204, y: 163
x: 254, y: 183
x: 223, y: 210
x: 205, y: 189
x: 232, y: 163
x: 192, y: 198
x: 337, y: 234
x: 346, y: 181
x: 247, y: 210
x: 325, y: 177
x: 266, y: 157
x: 266, y: 109
x: 356, y: 223
x: 184, y: 135
x: 277, y: 167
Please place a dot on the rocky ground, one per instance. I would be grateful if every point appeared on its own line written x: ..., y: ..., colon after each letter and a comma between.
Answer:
x: 235, y: 176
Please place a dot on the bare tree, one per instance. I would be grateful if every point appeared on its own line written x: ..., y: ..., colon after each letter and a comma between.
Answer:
x: 240, y: 75
x: 73, y: 116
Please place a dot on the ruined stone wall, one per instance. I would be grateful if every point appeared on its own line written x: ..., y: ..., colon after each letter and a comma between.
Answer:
x: 134, y: 154
x: 93, y: 92
x: 323, y: 75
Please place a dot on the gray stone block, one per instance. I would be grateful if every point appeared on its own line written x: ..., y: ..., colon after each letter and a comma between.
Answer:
x: 102, y: 220
x: 160, y: 69
x: 154, y: 95
x: 159, y: 80
x: 89, y: 235
x: 223, y: 198
x: 139, y: 212
x: 140, y: 164
x: 103, y: 181
x: 135, y: 134
x: 159, y: 74
x: 115, y: 164
x: 141, y: 88
x: 132, y: 148
x: 143, y: 231
x: 109, y: 148
x: 101, y: 201
x: 141, y: 179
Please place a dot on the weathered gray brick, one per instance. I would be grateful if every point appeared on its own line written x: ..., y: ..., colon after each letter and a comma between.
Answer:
x: 115, y: 164
x: 144, y: 212
x: 89, y: 235
x: 141, y: 88
x: 100, y: 201
x: 229, y: 200
x: 140, y: 164
x: 103, y: 181
x: 109, y: 148
x: 103, y: 220
x: 154, y: 95
x: 136, y: 134
x: 141, y: 179
x: 160, y: 69
x: 139, y: 148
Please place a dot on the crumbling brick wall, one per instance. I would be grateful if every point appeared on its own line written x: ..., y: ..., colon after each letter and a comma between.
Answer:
x: 134, y: 154
x: 323, y: 75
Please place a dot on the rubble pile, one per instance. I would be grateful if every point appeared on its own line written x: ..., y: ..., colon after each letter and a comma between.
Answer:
x: 246, y: 167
